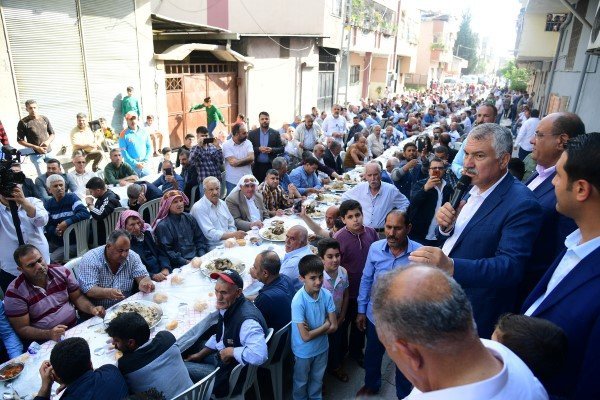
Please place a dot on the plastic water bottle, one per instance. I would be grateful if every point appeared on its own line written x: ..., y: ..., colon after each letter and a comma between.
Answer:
x: 33, y: 348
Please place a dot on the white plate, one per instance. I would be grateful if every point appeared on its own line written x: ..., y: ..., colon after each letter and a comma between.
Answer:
x: 238, y: 265
x: 279, y: 238
x: 110, y: 313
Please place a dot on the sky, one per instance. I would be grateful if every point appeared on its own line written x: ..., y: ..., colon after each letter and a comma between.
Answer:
x: 495, y: 19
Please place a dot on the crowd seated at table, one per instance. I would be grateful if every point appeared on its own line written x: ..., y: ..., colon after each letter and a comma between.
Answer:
x: 477, y: 259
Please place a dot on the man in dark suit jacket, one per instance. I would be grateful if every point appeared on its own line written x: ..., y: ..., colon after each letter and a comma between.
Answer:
x: 332, y: 158
x: 568, y: 293
x: 424, y: 198
x: 549, y: 142
x: 488, y: 245
x: 267, y: 145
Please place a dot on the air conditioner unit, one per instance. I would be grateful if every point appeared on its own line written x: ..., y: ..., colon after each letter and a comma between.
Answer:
x: 594, y: 45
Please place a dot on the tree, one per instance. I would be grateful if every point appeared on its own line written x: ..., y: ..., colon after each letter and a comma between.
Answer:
x: 518, y: 77
x: 466, y: 43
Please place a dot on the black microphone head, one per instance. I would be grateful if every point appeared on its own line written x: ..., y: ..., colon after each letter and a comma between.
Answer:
x: 463, y: 182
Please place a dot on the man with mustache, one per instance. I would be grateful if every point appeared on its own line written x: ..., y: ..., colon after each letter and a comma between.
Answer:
x: 488, y: 239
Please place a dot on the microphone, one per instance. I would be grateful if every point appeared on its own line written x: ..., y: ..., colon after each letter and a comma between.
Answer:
x: 461, y: 189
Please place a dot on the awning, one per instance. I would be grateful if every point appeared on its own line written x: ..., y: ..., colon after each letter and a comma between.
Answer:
x: 180, y: 51
x: 165, y: 24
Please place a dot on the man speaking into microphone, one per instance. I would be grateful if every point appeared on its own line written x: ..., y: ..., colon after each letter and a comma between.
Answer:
x: 489, y: 237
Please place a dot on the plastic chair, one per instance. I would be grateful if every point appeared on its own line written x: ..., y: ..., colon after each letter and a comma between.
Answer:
x: 149, y: 208
x: 278, y: 350
x: 201, y: 390
x: 250, y: 380
x: 109, y: 225
x: 223, y: 186
x: 81, y: 229
x: 72, y: 265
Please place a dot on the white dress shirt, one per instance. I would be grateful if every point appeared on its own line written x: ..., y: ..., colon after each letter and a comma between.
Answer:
x: 332, y: 124
x: 253, y: 350
x: 431, y: 232
x: 543, y: 173
x: 376, y: 207
x: 80, y: 181
x: 214, y: 220
x: 239, y: 151
x: 514, y: 382
x: 576, y: 251
x: 526, y: 132
x: 375, y: 145
x: 254, y: 211
x: 33, y: 233
x: 474, y: 201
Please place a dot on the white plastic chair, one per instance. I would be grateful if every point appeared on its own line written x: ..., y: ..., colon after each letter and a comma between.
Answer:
x: 151, y: 208
x: 72, y: 265
x: 81, y: 229
x: 109, y: 225
x: 278, y: 351
x: 201, y: 390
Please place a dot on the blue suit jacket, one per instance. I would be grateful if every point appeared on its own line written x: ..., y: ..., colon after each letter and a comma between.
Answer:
x: 491, y: 252
x: 551, y: 240
x: 574, y: 306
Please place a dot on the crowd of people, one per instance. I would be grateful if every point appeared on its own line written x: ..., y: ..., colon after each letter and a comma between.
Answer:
x: 486, y: 291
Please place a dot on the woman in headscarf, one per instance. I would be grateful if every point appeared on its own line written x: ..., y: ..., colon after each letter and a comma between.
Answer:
x: 154, y: 258
x: 246, y: 204
x: 177, y: 232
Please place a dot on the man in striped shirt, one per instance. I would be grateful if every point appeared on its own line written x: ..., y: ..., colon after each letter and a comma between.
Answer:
x: 40, y: 303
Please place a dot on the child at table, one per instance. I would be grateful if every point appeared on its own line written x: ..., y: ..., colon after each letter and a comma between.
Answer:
x: 335, y: 280
x: 313, y: 317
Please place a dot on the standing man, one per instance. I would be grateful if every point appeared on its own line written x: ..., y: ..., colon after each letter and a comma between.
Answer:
x: 376, y: 198
x: 155, y: 135
x: 267, y: 145
x: 130, y: 104
x: 384, y: 255
x: 212, y: 114
x: 207, y: 157
x: 489, y: 239
x: 526, y: 134
x: 36, y: 134
x: 239, y: 156
x: 308, y: 134
x: 335, y: 124
x: 135, y: 145
x: 83, y: 141
x: 568, y: 293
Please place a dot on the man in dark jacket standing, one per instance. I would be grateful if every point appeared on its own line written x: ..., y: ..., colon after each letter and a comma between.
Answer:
x: 267, y: 145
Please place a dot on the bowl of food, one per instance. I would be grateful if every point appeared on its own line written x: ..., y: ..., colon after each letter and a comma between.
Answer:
x: 11, y: 371
x: 221, y: 264
x: 149, y: 310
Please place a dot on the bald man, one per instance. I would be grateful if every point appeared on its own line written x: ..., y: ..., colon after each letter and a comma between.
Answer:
x: 425, y: 322
x: 331, y: 214
x: 296, y: 247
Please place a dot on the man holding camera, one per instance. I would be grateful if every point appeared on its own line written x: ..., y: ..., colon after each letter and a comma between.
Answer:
x: 169, y: 180
x: 206, y: 156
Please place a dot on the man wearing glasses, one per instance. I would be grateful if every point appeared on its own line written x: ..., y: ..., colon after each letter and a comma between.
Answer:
x: 80, y: 176
x: 427, y: 196
x: 135, y: 145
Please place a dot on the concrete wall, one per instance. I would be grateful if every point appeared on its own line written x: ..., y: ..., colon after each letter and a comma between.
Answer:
x: 9, y: 110
x: 535, y: 41
x: 424, y: 48
x: 354, y: 91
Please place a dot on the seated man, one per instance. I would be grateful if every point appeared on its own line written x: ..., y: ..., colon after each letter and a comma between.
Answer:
x: 177, y: 232
x: 305, y: 178
x: 83, y: 142
x: 80, y: 176
x: 140, y: 192
x: 118, y: 173
x: 11, y: 346
x: 52, y: 167
x: 226, y: 349
x: 106, y: 202
x: 146, y: 363
x: 245, y: 205
x: 107, y: 273
x: 71, y: 365
x: 274, y: 300
x: 296, y: 247
x: 64, y: 209
x: 213, y: 216
x: 274, y: 197
x: 142, y: 243
x: 169, y: 180
x: 280, y: 165
x: 40, y: 304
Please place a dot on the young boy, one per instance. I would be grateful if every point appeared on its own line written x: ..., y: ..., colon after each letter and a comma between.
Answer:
x: 313, y: 318
x: 541, y: 344
x: 166, y: 156
x: 355, y: 240
x: 188, y: 142
x: 335, y: 280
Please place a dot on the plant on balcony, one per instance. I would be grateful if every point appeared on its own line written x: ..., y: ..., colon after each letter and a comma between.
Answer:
x: 438, y: 46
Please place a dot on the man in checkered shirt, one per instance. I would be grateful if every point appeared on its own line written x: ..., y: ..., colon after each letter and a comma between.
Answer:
x: 107, y: 273
x: 207, y: 158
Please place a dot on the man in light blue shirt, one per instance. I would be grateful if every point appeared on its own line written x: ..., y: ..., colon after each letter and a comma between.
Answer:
x: 135, y: 145
x: 305, y: 177
x: 384, y: 255
x: 375, y: 197
x: 296, y: 247
x: 213, y: 216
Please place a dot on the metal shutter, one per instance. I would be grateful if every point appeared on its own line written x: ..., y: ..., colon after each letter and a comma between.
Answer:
x: 46, y: 53
x: 111, y: 55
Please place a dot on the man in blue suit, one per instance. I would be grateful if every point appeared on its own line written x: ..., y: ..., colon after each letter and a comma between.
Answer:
x: 568, y: 294
x: 490, y: 237
x: 549, y: 142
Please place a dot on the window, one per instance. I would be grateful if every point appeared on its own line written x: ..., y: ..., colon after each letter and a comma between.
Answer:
x: 336, y: 8
x: 576, y: 28
x: 354, y: 74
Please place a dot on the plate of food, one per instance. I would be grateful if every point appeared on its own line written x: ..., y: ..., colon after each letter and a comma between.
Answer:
x: 313, y: 211
x: 149, y: 310
x: 11, y: 371
x: 328, y: 198
x: 350, y: 180
x: 274, y: 232
x: 222, y: 263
